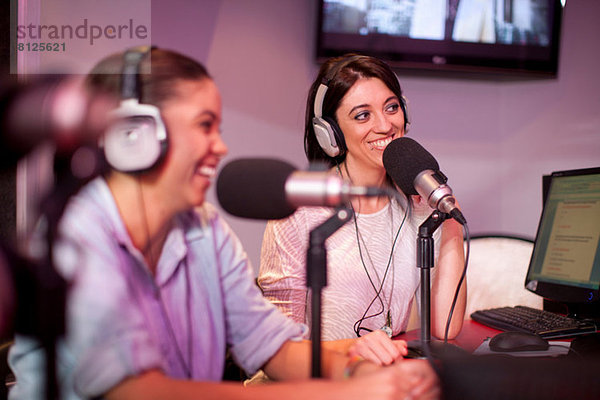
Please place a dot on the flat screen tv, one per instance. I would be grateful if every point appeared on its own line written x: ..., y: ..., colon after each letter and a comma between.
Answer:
x: 518, y: 37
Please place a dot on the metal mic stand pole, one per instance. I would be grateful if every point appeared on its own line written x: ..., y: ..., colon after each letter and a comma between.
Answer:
x: 425, y: 261
x: 70, y: 176
x: 316, y: 276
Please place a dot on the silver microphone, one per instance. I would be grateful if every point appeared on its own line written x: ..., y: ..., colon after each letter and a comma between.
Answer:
x: 274, y: 189
x: 431, y: 186
x: 307, y: 188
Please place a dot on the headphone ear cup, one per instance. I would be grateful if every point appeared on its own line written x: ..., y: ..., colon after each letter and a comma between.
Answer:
x: 337, y: 134
x: 136, y: 139
x: 326, y: 136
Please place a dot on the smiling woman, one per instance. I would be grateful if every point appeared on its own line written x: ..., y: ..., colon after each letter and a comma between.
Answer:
x: 355, y: 108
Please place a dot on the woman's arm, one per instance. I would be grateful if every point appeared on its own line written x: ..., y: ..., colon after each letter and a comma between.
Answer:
x: 282, y: 273
x: 293, y: 362
x: 405, y: 379
x: 376, y: 347
x: 154, y: 385
x: 408, y: 379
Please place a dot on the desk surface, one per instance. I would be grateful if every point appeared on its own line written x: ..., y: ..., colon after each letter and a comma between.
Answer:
x: 471, y: 335
x: 501, y: 377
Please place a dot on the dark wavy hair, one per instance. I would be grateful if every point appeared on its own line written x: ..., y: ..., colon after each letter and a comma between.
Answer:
x: 357, y: 66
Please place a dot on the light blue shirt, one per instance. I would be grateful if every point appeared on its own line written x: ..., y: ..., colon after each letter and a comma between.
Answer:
x: 122, y: 321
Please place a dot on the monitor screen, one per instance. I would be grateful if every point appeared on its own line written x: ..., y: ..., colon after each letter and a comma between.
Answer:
x: 565, y: 263
x: 514, y: 36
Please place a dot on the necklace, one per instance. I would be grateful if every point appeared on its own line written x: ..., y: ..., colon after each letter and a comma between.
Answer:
x: 379, y: 293
x: 379, y: 289
x: 377, y: 220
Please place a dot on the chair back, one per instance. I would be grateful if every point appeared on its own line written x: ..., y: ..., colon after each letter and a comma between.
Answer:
x: 496, y: 273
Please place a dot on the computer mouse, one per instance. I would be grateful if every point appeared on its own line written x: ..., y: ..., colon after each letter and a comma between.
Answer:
x: 518, y: 341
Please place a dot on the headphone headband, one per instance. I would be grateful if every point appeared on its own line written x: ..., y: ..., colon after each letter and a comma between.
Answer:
x: 132, y: 62
x: 324, y: 85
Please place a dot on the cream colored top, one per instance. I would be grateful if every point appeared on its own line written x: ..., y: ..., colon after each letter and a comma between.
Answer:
x: 349, y: 291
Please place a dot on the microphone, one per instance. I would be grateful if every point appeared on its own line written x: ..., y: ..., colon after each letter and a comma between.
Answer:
x: 56, y: 109
x: 415, y: 171
x: 272, y: 189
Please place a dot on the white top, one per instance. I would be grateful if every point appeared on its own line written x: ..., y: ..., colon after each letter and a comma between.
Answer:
x: 349, y: 291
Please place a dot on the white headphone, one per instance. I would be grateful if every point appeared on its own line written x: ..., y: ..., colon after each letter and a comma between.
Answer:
x: 328, y: 133
x: 136, y: 139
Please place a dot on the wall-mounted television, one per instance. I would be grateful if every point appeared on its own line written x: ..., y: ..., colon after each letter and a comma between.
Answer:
x: 490, y: 36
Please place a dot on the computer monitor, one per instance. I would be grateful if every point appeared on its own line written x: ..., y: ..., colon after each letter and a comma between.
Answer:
x: 565, y: 263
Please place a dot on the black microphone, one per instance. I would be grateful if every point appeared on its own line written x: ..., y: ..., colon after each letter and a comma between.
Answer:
x: 416, y: 171
x: 273, y: 189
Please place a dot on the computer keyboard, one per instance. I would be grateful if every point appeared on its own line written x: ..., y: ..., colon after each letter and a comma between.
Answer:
x: 526, y: 319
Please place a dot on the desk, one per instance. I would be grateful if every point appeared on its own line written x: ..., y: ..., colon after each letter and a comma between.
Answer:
x: 471, y: 335
x: 494, y: 377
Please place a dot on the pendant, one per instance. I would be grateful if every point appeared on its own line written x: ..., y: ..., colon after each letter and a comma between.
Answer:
x: 387, y: 328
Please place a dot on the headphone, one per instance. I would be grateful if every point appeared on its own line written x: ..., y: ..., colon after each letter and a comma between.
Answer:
x: 137, y: 137
x: 327, y: 131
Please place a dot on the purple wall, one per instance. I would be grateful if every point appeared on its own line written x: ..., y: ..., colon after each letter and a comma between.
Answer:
x: 493, y: 139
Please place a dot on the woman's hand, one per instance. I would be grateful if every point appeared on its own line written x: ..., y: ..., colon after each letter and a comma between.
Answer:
x: 378, y: 348
x: 419, y: 379
x: 410, y: 379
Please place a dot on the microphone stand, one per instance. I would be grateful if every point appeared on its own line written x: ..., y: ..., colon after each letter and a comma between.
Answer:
x: 316, y: 276
x: 425, y: 261
x: 41, y: 290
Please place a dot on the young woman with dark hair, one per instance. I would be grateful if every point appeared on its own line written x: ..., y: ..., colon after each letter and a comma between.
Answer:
x: 355, y: 108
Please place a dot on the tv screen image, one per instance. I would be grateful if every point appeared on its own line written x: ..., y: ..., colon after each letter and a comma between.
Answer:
x: 513, y: 36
